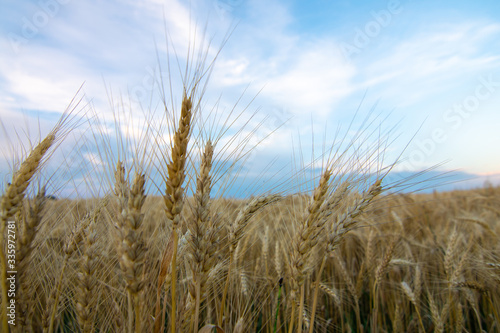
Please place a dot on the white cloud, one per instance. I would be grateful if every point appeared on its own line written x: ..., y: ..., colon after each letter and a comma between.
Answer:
x: 316, y: 80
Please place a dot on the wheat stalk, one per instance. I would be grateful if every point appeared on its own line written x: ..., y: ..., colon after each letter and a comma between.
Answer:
x: 174, y: 193
x: 202, y: 240
x: 87, y: 282
x: 396, y: 325
x: 343, y: 224
x: 413, y: 299
x: 436, y: 315
x: 130, y: 246
x: 236, y: 232
x: 163, y: 275
x: 29, y: 230
x: 71, y: 245
x: 304, y: 240
x: 379, y: 275
x: 331, y: 205
x: 11, y: 203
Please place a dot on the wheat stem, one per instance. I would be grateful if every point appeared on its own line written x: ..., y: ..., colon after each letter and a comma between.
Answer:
x: 292, y: 319
x: 316, y: 292
x: 301, y: 307
x: 174, y: 194
x: 174, y: 278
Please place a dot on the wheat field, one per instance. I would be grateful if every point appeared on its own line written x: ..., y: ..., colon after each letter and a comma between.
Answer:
x: 349, y: 255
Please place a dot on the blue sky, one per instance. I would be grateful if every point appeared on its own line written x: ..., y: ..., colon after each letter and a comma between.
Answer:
x: 430, y: 68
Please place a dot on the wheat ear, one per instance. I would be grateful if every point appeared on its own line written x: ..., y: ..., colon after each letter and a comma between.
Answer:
x: 436, y: 315
x: 304, y: 241
x: 131, y: 247
x: 331, y: 205
x: 87, y: 282
x: 236, y: 232
x: 396, y: 324
x: 413, y: 299
x: 29, y: 229
x: 11, y: 204
x: 174, y: 194
x: 348, y: 221
x: 134, y: 248
x: 451, y: 253
x: 71, y: 244
x: 202, y: 239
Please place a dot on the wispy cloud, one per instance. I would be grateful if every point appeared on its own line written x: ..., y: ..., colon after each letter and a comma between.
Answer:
x: 431, y: 62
